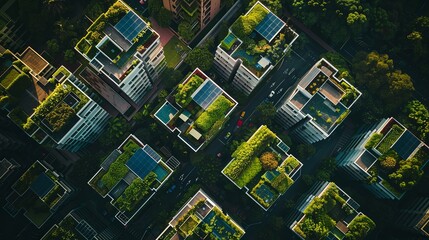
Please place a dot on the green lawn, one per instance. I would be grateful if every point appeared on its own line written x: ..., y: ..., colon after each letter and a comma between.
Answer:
x: 173, y: 50
x: 8, y: 77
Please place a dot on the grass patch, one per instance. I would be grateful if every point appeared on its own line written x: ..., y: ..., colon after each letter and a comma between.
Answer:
x: 173, y: 51
x: 8, y: 77
x: 249, y: 173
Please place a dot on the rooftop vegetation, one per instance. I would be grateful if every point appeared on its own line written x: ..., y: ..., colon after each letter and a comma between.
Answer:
x: 247, y: 152
x: 245, y: 24
x: 63, y: 231
x: 214, y: 113
x: 118, y: 169
x: 359, y: 227
x: 135, y: 192
x: 390, y: 138
x: 95, y: 32
x: 54, y: 110
x: 184, y: 91
x: 373, y: 140
x: 322, y: 214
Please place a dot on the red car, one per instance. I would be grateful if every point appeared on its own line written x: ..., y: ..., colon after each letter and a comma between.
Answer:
x: 239, y: 122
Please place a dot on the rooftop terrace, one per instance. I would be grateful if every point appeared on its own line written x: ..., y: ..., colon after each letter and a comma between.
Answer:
x: 133, y: 167
x: 324, y: 97
x: 259, y: 38
x: 114, y: 39
x: 201, y: 218
x: 197, y: 108
x: 339, y: 214
x: 38, y: 192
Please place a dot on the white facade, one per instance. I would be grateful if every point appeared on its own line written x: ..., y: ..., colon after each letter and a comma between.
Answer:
x: 293, y: 114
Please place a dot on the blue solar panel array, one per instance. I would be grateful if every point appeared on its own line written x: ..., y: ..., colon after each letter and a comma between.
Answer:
x: 130, y: 26
x: 406, y: 144
x: 154, y: 155
x: 207, y: 94
x: 42, y: 185
x: 270, y: 26
x: 141, y: 163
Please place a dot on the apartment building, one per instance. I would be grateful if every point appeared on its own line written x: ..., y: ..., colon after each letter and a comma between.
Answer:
x: 197, y: 12
x: 126, y: 55
x: 325, y: 200
x: 12, y: 32
x: 51, y: 105
x: 414, y: 217
x: 247, y: 55
x: 376, y: 151
x: 317, y: 104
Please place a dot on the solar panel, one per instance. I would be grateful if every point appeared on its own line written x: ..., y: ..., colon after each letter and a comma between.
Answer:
x: 154, y: 155
x: 130, y: 26
x: 42, y: 185
x: 141, y: 163
x: 270, y: 26
x: 207, y: 93
x: 406, y: 144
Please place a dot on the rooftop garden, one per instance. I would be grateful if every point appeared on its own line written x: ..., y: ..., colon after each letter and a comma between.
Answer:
x: 386, y: 143
x: 64, y: 230
x: 36, y: 195
x: 253, y: 45
x: 87, y: 44
x: 203, y: 223
x: 60, y: 74
x: 325, y: 211
x: 214, y: 113
x: 185, y: 90
x: 58, y: 109
x: 316, y: 83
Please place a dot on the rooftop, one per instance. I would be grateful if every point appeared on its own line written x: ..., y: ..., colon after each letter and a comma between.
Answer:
x: 259, y: 34
x: 38, y: 191
x: 321, y: 95
x: 394, y: 144
x: 340, y: 216
x: 132, y: 167
x: 201, y: 218
x: 246, y: 169
x: 115, y: 39
x: 198, y: 107
x: 33, y: 60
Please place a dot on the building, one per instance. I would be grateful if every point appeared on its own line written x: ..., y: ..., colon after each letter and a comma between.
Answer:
x: 12, y: 33
x: 318, y: 104
x: 7, y: 167
x: 201, y: 218
x: 51, y: 105
x: 197, y: 12
x: 364, y: 158
x: 272, y: 183
x: 132, y: 167
x: 325, y: 200
x: 80, y: 224
x: 39, y: 192
x: 196, y: 110
x: 414, y: 217
x: 247, y: 55
x: 127, y: 57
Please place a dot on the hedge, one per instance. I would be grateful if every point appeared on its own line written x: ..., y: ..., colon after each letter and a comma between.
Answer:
x: 18, y: 86
x: 282, y: 182
x: 390, y: 138
x: 184, y: 91
x: 214, y: 112
x: 373, y: 140
x: 249, y: 173
x: 135, y: 192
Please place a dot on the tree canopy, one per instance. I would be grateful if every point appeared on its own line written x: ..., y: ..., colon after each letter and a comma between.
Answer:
x: 200, y: 58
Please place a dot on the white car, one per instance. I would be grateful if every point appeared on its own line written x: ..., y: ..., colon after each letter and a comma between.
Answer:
x: 271, y: 94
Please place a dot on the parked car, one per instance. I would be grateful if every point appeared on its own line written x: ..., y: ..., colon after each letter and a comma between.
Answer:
x: 242, y: 114
x: 239, y: 123
x: 271, y: 94
x: 228, y: 135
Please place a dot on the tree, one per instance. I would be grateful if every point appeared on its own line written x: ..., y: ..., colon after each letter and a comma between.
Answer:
x: 154, y: 7
x: 275, y: 6
x: 185, y: 31
x: 55, y: 7
x: 69, y: 55
x: 265, y: 113
x: 269, y: 161
x: 171, y: 77
x: 304, y: 151
x: 164, y: 17
x: 116, y: 130
x: 388, y: 163
x: 418, y: 116
x: 200, y: 58
x: 408, y: 174
x: 52, y: 46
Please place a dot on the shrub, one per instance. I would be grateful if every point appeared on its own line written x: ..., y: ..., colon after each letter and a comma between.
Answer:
x: 374, y: 139
x: 282, y: 182
x: 184, y: 91
x: 269, y: 161
x: 390, y: 138
x: 408, y: 174
x: 60, y: 116
x: 135, y: 192
x: 359, y: 227
x: 388, y: 163
x: 18, y: 86
x: 249, y: 173
x: 245, y: 24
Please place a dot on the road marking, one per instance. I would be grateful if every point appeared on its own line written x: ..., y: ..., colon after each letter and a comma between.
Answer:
x: 221, y: 141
